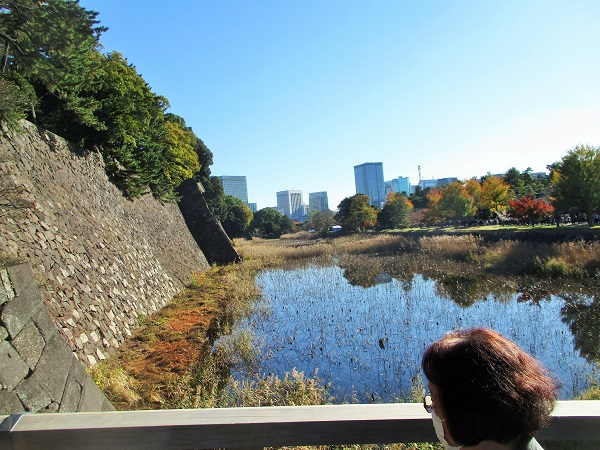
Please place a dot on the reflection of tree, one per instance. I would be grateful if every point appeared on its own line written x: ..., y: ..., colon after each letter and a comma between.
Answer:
x: 361, y: 270
x: 582, y: 314
x: 463, y: 290
x: 458, y: 282
x: 533, y: 293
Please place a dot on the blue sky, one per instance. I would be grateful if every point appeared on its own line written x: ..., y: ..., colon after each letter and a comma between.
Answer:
x: 294, y: 94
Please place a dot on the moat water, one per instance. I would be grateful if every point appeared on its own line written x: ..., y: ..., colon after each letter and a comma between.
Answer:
x: 366, y: 343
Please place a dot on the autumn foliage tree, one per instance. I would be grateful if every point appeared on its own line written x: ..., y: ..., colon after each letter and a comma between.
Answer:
x: 433, y: 211
x: 395, y: 213
x: 456, y: 202
x: 356, y: 213
x: 530, y: 209
x: 494, y: 195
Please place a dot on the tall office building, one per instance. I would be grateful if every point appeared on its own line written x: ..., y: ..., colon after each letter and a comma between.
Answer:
x: 317, y: 201
x: 400, y: 184
x: 368, y: 178
x: 289, y: 202
x: 235, y: 186
x: 253, y: 207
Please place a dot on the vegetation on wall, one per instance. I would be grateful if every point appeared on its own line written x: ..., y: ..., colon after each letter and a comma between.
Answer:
x: 53, y: 74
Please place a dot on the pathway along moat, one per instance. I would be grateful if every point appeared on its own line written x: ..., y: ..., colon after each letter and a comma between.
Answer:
x: 367, y: 342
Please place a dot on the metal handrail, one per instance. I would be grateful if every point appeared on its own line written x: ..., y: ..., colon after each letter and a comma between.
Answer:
x: 258, y: 427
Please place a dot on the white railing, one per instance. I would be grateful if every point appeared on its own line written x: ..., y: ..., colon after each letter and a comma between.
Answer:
x: 258, y: 427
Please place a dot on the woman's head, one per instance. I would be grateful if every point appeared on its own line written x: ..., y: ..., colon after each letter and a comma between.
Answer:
x: 487, y: 387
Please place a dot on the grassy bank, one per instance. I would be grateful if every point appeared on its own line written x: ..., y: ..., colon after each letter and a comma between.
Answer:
x: 169, y: 362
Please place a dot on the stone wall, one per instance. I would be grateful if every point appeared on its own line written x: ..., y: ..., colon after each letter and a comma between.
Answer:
x: 38, y: 370
x: 101, y: 260
x: 204, y: 226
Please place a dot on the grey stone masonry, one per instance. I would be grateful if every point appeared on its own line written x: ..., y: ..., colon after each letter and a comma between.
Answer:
x: 38, y: 371
x: 101, y: 261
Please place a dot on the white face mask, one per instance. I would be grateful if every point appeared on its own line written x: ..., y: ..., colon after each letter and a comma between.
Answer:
x: 439, y: 431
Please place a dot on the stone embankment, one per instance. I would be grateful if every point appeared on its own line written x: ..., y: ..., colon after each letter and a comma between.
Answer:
x: 102, y: 261
x: 38, y: 370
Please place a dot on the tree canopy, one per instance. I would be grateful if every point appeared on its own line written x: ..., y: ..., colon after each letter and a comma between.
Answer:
x: 320, y: 220
x: 530, y: 209
x: 237, y: 218
x: 356, y: 213
x: 576, y: 181
x: 493, y: 195
x: 396, y: 211
x: 270, y: 223
x: 48, y: 52
x: 524, y: 183
x: 456, y: 203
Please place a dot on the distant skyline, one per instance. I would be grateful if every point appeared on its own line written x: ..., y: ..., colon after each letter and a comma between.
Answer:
x: 293, y: 95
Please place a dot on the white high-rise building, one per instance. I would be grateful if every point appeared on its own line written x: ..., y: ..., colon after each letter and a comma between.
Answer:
x: 289, y: 202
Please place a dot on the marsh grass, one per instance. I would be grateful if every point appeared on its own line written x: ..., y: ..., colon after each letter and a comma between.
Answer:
x: 576, y: 259
x: 116, y: 384
x: 434, y: 255
x: 461, y: 248
x: 374, y: 244
x: 294, y: 389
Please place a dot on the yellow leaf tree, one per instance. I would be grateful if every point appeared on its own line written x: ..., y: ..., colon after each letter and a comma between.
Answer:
x: 182, y: 160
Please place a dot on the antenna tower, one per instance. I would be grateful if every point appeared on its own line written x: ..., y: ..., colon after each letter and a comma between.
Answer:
x: 419, y: 174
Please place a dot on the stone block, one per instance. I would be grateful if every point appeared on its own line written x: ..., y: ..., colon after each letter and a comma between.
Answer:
x: 29, y: 343
x: 71, y: 397
x: 3, y: 333
x: 107, y: 406
x: 10, y: 403
x: 20, y: 309
x: 32, y: 395
x: 14, y: 368
x: 44, y: 324
x: 92, y: 398
x: 20, y: 276
x: 53, y: 367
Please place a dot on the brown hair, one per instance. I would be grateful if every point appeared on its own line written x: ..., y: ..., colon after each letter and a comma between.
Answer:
x: 489, y: 387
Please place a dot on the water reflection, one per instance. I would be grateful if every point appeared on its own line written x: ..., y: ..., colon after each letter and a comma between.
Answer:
x: 366, y: 338
x: 582, y: 314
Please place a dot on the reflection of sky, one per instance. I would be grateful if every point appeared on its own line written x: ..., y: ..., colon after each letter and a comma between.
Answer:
x: 319, y: 321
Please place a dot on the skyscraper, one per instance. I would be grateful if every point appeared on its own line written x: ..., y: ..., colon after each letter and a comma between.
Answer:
x: 368, y: 178
x: 289, y: 202
x: 317, y: 201
x: 235, y: 186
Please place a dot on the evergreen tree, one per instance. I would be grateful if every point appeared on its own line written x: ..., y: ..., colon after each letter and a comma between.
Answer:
x: 269, y: 223
x: 576, y: 181
x: 48, y: 51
